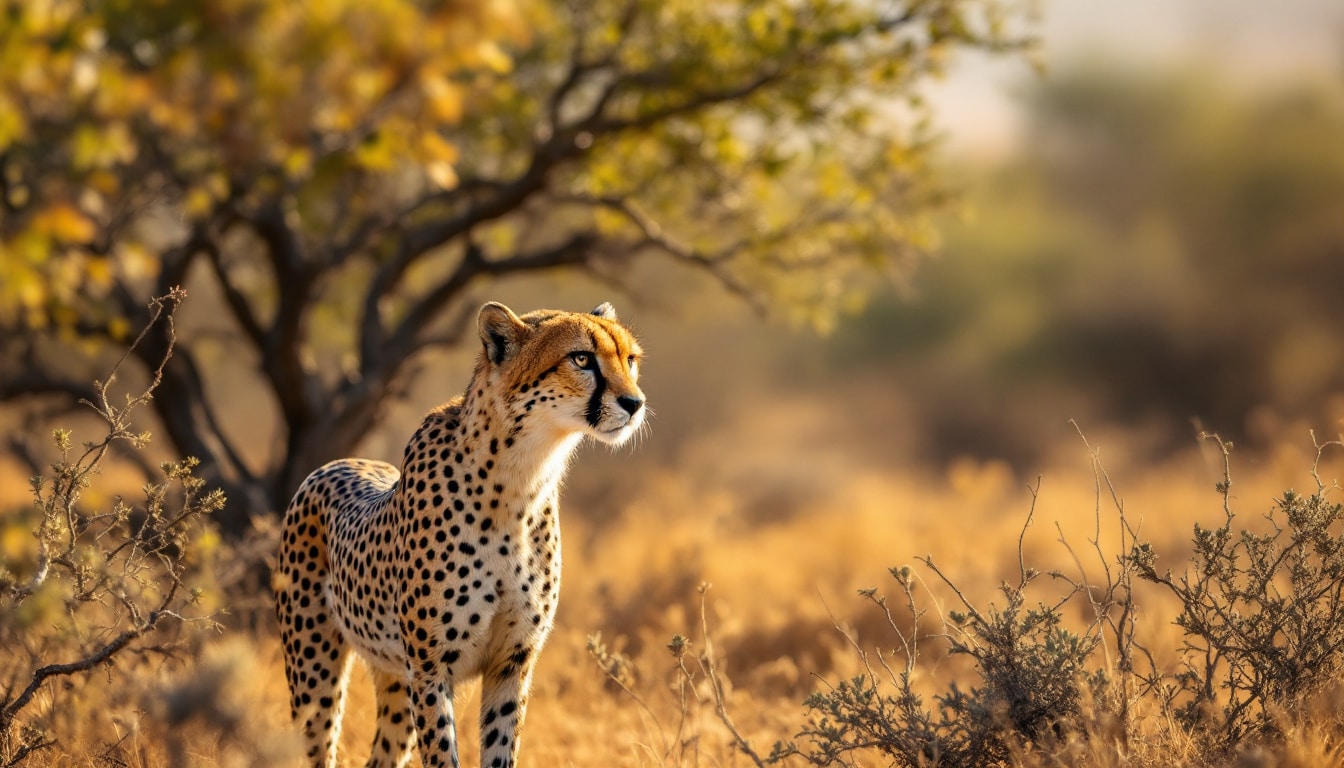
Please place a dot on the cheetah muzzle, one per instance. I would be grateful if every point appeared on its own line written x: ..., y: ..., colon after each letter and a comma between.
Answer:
x: 450, y: 568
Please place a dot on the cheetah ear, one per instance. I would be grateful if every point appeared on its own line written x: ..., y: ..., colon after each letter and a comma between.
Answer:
x: 501, y: 331
x: 604, y: 311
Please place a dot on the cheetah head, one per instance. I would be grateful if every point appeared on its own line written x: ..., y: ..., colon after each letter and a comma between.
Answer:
x: 576, y: 373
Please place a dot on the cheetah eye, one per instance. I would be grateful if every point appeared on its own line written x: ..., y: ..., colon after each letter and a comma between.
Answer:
x: 632, y: 364
x: 584, y: 360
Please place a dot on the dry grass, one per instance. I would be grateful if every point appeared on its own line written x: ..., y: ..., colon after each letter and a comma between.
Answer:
x: 787, y: 529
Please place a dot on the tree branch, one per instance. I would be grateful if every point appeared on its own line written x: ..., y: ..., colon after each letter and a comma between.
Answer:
x: 35, y: 381
x: 356, y: 403
x: 191, y: 425
x: 28, y: 749
x: 500, y: 199
x: 208, y: 417
x: 88, y: 662
x: 579, y: 67
x: 237, y: 302
x: 282, y: 244
x: 599, y: 126
x: 560, y: 146
x: 474, y: 262
x: 174, y: 264
x: 296, y: 389
x: 380, y: 223
x: 653, y: 237
x: 457, y: 327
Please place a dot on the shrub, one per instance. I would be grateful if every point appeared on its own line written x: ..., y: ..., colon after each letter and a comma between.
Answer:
x: 1258, y: 676
x: 1032, y: 669
x: 104, y: 583
x: 1262, y: 620
x: 1262, y: 615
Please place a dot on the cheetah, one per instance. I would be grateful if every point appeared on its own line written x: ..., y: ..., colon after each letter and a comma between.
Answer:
x: 450, y: 568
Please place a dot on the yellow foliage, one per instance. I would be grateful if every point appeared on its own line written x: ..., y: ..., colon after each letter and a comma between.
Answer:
x: 198, y: 202
x: 119, y: 328
x: 494, y: 57
x: 134, y: 260
x: 435, y: 148
x: 305, y: 97
x: 12, y: 125
x: 98, y: 271
x: 609, y: 221
x: 102, y: 146
x: 22, y: 291
x: 297, y: 162
x: 442, y: 174
x: 368, y: 84
x: 444, y: 99
x: 64, y: 223
x: 378, y: 153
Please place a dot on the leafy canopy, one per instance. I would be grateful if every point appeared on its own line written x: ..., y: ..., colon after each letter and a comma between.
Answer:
x: 756, y: 138
x: 112, y: 110
x: 345, y: 171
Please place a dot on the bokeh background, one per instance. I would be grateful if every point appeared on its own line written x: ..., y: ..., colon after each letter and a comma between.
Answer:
x: 1143, y: 242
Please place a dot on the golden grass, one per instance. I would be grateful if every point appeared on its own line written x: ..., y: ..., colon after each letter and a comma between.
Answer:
x: 786, y: 529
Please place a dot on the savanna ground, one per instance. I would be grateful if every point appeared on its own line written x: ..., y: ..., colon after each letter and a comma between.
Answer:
x: 786, y: 504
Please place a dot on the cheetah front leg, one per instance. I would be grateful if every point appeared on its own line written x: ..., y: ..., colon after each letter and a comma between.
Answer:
x: 392, y: 742
x: 504, y: 688
x: 435, y: 727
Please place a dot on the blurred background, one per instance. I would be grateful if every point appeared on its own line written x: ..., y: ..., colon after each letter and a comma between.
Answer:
x: 1151, y: 234
x: 1149, y: 241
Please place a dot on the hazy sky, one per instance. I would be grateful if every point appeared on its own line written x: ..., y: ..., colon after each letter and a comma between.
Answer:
x: 1249, y: 43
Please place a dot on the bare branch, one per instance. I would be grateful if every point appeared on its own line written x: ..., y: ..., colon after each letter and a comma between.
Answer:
x: 104, y: 653
x: 200, y: 403
x: 33, y: 380
x: 238, y: 303
x: 572, y: 251
x: 709, y: 664
x: 22, y: 753
x: 282, y: 242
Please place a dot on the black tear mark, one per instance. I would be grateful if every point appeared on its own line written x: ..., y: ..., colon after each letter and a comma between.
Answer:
x: 599, y: 388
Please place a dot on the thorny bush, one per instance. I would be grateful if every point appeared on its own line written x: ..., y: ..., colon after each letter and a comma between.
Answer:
x: 1262, y: 621
x: 1033, y: 673
x: 1262, y: 614
x: 106, y: 583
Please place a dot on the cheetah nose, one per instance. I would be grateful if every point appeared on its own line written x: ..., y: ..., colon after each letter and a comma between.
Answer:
x: 630, y: 404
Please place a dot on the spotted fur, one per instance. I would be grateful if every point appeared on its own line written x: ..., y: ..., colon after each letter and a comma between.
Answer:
x: 450, y: 568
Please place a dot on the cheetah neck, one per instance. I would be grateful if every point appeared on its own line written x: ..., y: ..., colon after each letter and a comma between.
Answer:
x: 533, y: 457
x: 487, y: 461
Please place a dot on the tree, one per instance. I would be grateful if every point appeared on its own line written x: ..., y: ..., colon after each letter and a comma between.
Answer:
x: 373, y: 161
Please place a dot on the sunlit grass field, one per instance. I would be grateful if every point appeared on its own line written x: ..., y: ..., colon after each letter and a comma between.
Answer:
x: 785, y: 529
